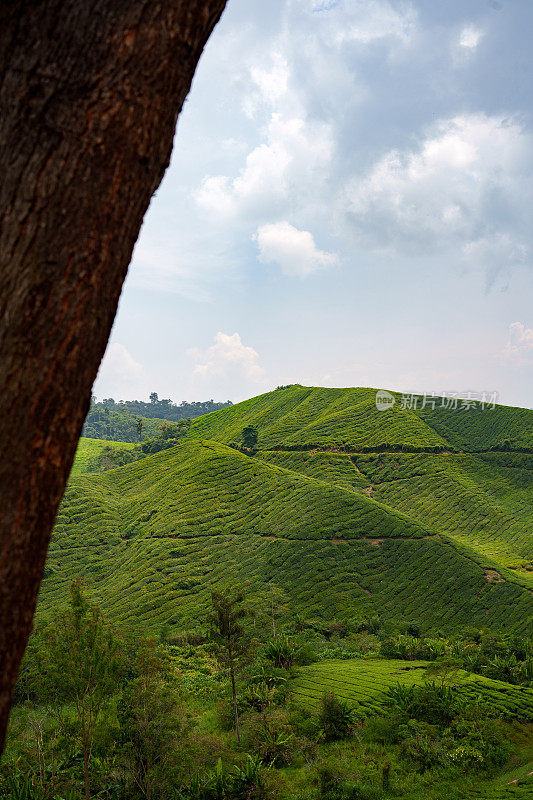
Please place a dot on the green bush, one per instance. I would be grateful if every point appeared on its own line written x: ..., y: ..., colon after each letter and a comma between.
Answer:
x: 429, y: 702
x: 337, y: 719
x: 333, y: 787
x: 383, y: 730
x: 281, y: 652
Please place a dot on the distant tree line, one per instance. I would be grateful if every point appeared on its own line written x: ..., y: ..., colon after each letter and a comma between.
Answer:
x: 119, y: 421
x: 166, y: 436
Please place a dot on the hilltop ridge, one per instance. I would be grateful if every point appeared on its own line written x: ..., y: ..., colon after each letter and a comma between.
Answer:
x: 303, y: 416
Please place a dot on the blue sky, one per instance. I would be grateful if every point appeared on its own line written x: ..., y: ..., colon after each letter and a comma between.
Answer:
x: 348, y: 204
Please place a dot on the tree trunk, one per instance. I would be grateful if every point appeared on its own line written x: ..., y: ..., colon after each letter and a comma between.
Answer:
x: 90, y: 91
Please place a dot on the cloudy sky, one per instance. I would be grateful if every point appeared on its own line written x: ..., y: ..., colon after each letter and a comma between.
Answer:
x: 348, y: 204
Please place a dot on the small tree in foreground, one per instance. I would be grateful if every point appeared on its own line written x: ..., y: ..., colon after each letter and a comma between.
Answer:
x: 78, y: 661
x: 150, y: 720
x: 337, y: 719
x: 228, y: 632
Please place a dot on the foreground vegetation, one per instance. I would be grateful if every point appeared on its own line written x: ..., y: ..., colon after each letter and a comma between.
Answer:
x: 101, y: 712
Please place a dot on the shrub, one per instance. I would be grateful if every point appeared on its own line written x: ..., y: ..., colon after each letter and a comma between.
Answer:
x: 337, y: 719
x: 479, y: 743
x: 422, y: 745
x: 332, y: 787
x: 306, y: 655
x: 383, y: 730
x: 281, y: 652
x: 427, y: 703
x: 270, y: 736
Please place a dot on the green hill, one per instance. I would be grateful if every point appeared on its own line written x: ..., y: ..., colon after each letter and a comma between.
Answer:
x: 300, y: 416
x: 425, y: 536
x: 88, y: 449
x: 480, y: 500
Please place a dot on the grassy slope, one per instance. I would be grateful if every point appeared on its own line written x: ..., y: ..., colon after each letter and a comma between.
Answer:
x: 154, y: 537
x: 299, y: 415
x: 88, y: 449
x: 486, y: 505
x: 364, y: 682
x: 481, y: 501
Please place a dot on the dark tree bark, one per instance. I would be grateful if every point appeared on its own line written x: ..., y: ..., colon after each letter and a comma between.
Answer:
x: 90, y: 91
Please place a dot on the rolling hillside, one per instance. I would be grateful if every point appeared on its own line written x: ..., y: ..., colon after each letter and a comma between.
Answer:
x: 482, y: 501
x: 300, y: 416
x: 426, y: 536
x: 89, y: 449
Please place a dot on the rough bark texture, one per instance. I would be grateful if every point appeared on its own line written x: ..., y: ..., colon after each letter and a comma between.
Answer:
x: 90, y: 91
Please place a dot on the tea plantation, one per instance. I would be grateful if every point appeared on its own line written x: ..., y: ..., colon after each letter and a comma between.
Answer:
x: 89, y: 449
x: 343, y: 531
x: 480, y: 500
x: 301, y: 416
x: 364, y: 682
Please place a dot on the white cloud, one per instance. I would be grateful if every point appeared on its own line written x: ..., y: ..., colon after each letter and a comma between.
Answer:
x: 470, y: 37
x: 119, y: 376
x: 295, y: 251
x: 464, y: 181
x: 495, y: 254
x: 465, y: 44
x: 519, y: 347
x: 229, y: 356
x: 282, y: 165
x: 369, y: 21
x: 271, y: 83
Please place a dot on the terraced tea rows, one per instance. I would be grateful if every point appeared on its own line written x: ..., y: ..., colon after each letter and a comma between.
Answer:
x: 89, y: 449
x: 210, y: 489
x: 364, y: 683
x: 482, y: 504
x: 418, y: 537
x: 334, y: 468
x: 306, y: 416
x: 154, y: 537
x: 157, y: 580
